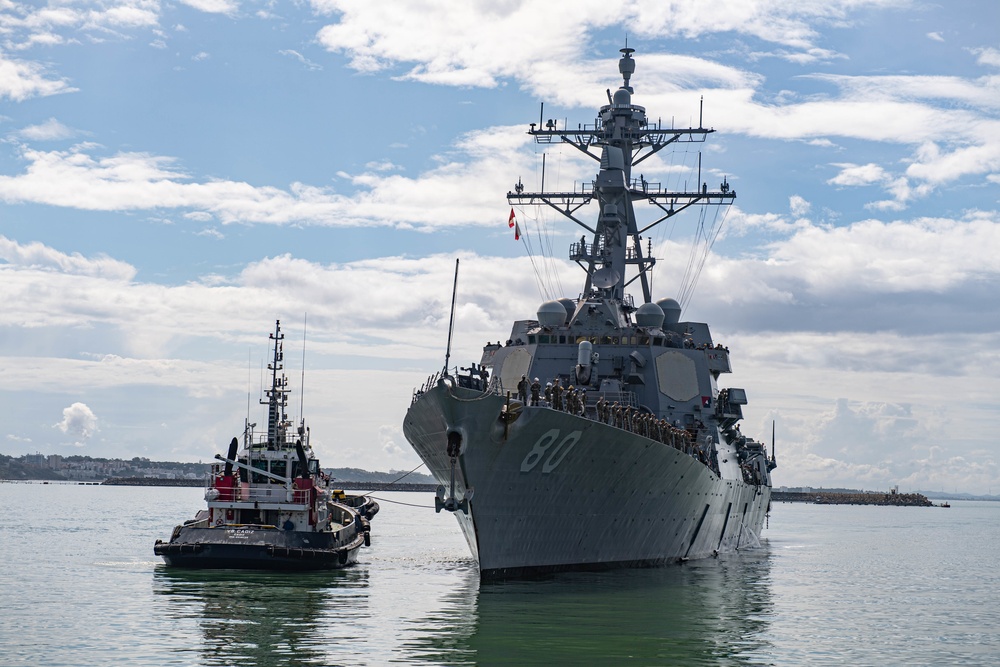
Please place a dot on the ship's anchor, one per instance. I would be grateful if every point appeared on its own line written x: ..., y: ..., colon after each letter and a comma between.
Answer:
x: 451, y: 503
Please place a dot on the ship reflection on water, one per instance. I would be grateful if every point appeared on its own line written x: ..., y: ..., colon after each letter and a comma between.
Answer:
x: 249, y: 618
x: 707, y: 612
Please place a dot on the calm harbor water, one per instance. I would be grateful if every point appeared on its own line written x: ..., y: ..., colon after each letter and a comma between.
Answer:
x: 831, y: 585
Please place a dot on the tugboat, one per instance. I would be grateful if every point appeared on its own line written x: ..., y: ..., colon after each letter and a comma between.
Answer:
x: 597, y: 437
x: 271, y: 507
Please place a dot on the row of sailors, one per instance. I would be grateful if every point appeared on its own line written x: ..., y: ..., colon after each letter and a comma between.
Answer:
x: 574, y: 401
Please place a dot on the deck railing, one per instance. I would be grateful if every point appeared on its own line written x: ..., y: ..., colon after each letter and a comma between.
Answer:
x: 271, y: 493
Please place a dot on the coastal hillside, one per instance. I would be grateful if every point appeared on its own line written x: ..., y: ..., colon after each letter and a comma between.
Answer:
x: 85, y: 468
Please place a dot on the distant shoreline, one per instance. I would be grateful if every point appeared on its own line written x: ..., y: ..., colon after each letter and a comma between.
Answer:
x: 353, y: 486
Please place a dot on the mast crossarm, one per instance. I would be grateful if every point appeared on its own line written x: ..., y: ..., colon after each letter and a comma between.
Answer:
x: 582, y: 137
x: 653, y: 150
x: 658, y: 135
x: 561, y: 198
x: 569, y: 215
x: 690, y: 197
x: 583, y: 148
x: 581, y: 199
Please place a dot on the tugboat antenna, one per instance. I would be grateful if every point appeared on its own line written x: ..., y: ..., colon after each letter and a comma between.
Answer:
x: 451, y: 322
x: 302, y: 382
x: 249, y: 385
x: 772, y: 441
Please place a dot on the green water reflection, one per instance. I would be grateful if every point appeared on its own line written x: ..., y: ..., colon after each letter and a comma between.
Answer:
x: 713, y: 612
x: 250, y: 618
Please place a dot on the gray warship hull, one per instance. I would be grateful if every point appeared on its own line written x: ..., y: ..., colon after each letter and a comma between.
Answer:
x: 555, y: 491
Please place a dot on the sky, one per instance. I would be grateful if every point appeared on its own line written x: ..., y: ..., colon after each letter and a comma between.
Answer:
x: 175, y: 176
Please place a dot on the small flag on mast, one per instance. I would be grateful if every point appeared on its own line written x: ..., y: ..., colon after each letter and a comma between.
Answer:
x: 510, y: 221
x: 517, y: 231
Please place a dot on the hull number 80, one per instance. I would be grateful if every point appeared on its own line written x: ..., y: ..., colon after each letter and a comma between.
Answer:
x: 551, y: 448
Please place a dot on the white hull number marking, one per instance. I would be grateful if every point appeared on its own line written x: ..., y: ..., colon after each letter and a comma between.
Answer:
x: 542, y: 447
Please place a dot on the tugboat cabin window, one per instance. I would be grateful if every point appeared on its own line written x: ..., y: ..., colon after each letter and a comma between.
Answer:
x: 257, y: 478
x: 531, y: 340
x: 562, y: 340
x: 278, y: 468
x: 543, y: 339
x: 314, y: 466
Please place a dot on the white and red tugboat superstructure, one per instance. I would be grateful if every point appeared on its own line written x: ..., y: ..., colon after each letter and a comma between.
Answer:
x: 270, y: 506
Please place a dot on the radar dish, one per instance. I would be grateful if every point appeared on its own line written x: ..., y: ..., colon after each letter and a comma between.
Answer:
x: 605, y: 278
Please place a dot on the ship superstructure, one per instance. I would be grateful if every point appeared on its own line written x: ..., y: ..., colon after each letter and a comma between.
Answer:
x: 598, y: 435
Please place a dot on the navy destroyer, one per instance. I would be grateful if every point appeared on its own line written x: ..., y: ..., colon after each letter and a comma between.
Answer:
x: 271, y: 507
x: 598, y: 436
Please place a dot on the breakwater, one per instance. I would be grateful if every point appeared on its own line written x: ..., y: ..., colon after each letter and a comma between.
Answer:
x: 860, y: 498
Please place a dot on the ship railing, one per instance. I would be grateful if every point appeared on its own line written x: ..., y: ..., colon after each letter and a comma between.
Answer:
x: 468, y: 380
x: 625, y: 399
x: 274, y: 493
x: 431, y: 382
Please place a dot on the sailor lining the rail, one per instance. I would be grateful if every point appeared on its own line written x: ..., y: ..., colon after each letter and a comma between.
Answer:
x: 522, y: 390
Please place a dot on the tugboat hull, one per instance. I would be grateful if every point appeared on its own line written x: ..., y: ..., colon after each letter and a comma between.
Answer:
x: 256, y: 548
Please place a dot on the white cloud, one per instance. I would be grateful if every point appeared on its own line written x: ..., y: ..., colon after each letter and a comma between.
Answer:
x: 50, y: 130
x: 301, y: 58
x: 214, y: 6
x: 37, y: 256
x: 21, y: 80
x: 798, y: 206
x: 470, y: 43
x: 859, y: 174
x: 988, y: 56
x: 77, y: 178
x: 211, y: 232
x: 78, y: 421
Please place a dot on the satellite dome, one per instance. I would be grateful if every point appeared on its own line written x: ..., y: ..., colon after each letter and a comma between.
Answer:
x: 649, y: 315
x: 569, y: 305
x: 622, y: 97
x: 552, y: 314
x: 671, y: 310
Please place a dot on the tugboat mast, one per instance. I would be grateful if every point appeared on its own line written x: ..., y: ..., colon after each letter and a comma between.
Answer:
x: 625, y: 138
x: 277, y: 395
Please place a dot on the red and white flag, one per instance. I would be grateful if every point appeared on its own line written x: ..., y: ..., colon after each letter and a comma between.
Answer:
x: 511, y: 221
x: 517, y: 231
